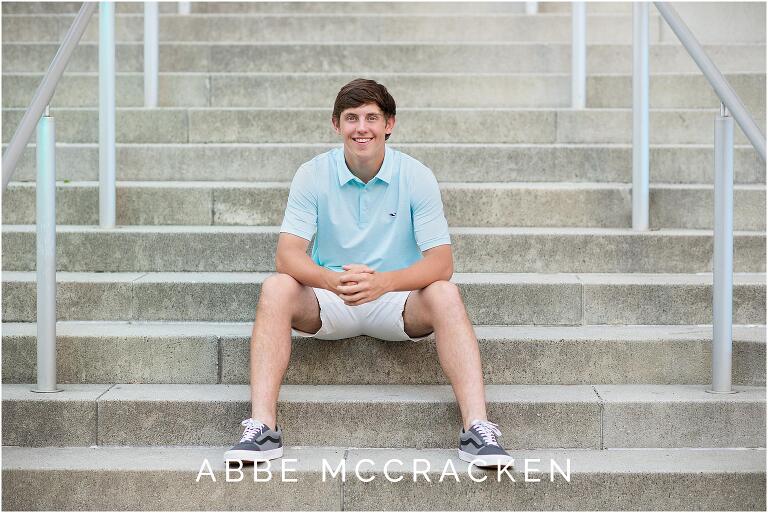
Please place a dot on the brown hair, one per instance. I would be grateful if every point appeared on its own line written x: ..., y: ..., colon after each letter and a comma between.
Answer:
x: 359, y: 92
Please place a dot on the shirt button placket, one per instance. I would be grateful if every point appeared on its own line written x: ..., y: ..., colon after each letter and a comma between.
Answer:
x: 364, y: 207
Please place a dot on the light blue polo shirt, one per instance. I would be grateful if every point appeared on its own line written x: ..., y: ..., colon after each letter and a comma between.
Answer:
x: 384, y: 224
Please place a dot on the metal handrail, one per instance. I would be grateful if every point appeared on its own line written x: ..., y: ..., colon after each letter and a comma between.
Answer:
x: 721, y: 86
x: 641, y: 136
x: 45, y: 92
x: 722, y: 258
x: 38, y: 114
x: 578, y: 55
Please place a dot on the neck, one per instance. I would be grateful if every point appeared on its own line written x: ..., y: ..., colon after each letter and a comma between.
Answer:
x: 364, y: 169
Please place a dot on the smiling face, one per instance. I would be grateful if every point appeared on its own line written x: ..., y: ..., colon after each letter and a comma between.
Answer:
x: 364, y: 130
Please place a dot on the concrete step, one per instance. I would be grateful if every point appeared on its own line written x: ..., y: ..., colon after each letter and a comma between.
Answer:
x: 105, y: 478
x: 312, y: 125
x: 358, y: 27
x: 152, y: 352
x: 434, y: 90
x: 674, y: 90
x: 466, y: 204
x: 476, y: 250
x: 496, y: 299
x: 591, y: 7
x: 400, y: 57
x: 529, y: 416
x: 74, y: 7
x: 710, y: 22
x: 287, y: 7
x: 451, y: 162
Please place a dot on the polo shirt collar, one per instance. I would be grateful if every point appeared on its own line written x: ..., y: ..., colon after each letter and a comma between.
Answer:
x: 345, y: 175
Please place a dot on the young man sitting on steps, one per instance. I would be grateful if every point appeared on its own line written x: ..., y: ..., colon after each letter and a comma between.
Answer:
x: 380, y: 266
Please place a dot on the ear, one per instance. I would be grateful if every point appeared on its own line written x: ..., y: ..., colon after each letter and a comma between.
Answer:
x: 390, y: 125
x: 335, y: 125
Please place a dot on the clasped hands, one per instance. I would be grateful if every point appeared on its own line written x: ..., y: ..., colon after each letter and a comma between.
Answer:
x: 359, y: 284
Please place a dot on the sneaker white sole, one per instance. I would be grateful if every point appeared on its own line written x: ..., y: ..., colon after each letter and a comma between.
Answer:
x: 488, y: 460
x: 253, y: 455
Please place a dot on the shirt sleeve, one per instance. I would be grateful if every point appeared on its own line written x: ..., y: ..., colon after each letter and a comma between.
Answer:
x: 300, y: 217
x: 429, y: 224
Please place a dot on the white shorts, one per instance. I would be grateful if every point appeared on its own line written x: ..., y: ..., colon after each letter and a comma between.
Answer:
x: 381, y: 318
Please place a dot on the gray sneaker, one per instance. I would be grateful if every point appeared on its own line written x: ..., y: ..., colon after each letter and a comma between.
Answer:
x: 259, y: 443
x: 480, y: 444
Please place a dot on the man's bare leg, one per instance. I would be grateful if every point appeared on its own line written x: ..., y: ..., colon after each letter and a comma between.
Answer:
x: 439, y: 307
x: 283, y: 303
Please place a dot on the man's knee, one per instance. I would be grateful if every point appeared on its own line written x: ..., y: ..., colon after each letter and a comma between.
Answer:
x: 442, y: 294
x: 278, y: 290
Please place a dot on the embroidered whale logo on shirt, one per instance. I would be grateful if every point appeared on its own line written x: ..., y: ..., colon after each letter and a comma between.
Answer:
x: 393, y: 214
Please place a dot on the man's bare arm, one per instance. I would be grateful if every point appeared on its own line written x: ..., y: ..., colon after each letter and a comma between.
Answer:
x: 292, y: 259
x: 361, y: 287
x: 436, y: 265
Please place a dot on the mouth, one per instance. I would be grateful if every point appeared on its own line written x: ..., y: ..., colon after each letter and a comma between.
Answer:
x: 362, y: 141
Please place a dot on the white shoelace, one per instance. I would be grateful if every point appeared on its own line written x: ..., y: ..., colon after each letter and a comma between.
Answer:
x: 252, y: 428
x: 488, y: 430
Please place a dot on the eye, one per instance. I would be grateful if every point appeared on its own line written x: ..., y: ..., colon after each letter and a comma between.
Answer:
x: 373, y: 117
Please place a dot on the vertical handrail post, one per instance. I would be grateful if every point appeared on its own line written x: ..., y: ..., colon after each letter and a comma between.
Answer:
x: 46, y: 254
x: 640, y: 118
x: 531, y: 7
x: 578, y: 55
x: 722, y: 276
x: 151, y: 53
x: 185, y: 7
x: 107, y: 163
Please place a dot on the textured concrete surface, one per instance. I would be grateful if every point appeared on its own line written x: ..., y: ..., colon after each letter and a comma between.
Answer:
x: 423, y: 416
x: 148, y: 204
x: 529, y: 416
x: 391, y: 57
x: 102, y: 297
x: 681, y: 416
x: 507, y: 359
x: 675, y: 91
x: 116, y: 358
x: 450, y: 162
x: 299, y: 7
x: 652, y: 479
x: 409, y: 90
x: 153, y: 352
x: 639, y: 300
x: 300, y: 90
x: 71, y: 7
x: 420, y: 126
x: 738, y: 21
x: 50, y: 419
x: 480, y: 250
x: 666, y: 126
x: 104, y: 478
x: 131, y: 125
x: 496, y: 299
x: 208, y: 125
x: 605, y: 480
x: 196, y: 300
x: 82, y: 90
x: 281, y: 90
x: 164, y: 478
x: 465, y: 204
x: 672, y: 205
x: 498, y: 27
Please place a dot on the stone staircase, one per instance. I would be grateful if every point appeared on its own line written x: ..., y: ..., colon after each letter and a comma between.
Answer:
x: 595, y: 339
